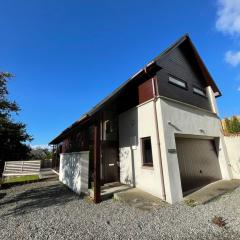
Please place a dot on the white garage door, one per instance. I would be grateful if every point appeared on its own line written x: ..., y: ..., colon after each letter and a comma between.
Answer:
x: 198, y: 162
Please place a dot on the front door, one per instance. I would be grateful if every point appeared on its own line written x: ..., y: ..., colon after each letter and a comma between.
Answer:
x: 110, y: 147
x: 110, y: 168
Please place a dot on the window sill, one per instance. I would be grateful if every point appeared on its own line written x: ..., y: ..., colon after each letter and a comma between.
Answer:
x: 148, y: 167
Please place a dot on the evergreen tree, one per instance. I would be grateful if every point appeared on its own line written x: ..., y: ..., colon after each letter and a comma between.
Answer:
x: 13, y: 135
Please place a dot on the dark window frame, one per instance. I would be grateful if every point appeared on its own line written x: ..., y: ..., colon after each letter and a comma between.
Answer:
x: 178, y: 79
x: 145, y: 161
x: 200, y: 89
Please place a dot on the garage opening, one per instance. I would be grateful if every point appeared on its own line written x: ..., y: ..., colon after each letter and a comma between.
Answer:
x: 198, y: 163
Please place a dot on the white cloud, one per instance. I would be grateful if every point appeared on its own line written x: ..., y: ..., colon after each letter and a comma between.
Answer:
x: 228, y: 16
x: 232, y: 58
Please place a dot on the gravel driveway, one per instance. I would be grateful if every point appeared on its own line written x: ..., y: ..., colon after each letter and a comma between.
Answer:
x: 48, y: 210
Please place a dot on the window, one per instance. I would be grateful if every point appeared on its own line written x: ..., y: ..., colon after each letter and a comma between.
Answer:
x: 108, y: 127
x: 147, y: 152
x: 177, y: 82
x: 199, y: 91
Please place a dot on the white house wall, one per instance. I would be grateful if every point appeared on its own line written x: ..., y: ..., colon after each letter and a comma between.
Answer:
x: 178, y: 118
x: 135, y: 124
x: 233, y: 149
x: 73, y: 171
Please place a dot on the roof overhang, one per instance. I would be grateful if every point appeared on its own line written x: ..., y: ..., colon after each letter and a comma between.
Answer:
x: 68, y: 130
x: 151, y: 66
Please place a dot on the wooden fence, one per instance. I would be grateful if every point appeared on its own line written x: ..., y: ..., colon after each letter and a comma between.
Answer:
x: 20, y: 168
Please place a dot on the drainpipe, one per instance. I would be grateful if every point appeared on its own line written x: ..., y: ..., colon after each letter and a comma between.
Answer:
x: 212, y: 100
x: 158, y: 141
x: 155, y: 94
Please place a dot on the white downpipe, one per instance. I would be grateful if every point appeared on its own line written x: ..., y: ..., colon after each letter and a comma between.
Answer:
x: 212, y: 99
x: 163, y: 193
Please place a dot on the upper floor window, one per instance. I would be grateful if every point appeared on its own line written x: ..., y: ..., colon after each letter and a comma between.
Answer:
x: 199, y: 91
x: 110, y: 129
x: 177, y: 82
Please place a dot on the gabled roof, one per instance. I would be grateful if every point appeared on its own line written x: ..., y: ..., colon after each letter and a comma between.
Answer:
x: 152, y: 64
x: 186, y: 39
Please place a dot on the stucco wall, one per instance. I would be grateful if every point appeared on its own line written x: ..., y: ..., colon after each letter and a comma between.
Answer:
x: 135, y: 124
x: 177, y: 118
x: 73, y: 170
x: 233, y: 149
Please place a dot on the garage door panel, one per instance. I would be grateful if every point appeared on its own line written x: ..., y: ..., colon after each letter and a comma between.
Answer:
x: 198, y: 162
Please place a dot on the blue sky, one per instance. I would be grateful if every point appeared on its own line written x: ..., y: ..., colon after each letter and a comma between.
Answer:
x: 68, y: 55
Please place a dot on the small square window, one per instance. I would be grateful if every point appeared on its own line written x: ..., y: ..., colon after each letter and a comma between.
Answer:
x: 147, y: 152
x: 177, y: 82
x: 199, y: 91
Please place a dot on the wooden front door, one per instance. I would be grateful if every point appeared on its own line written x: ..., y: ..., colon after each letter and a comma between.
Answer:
x: 110, y: 164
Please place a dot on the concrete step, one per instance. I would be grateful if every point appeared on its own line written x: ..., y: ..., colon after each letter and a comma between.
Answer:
x: 103, y: 196
x: 108, y: 190
x: 139, y: 199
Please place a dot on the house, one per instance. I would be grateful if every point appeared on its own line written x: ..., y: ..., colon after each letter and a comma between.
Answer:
x: 159, y: 131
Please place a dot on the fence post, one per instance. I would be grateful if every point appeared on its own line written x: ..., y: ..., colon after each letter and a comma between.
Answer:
x: 4, y: 169
x: 22, y: 167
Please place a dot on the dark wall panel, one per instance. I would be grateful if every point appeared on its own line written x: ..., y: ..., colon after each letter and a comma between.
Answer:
x: 179, y: 63
x: 145, y: 91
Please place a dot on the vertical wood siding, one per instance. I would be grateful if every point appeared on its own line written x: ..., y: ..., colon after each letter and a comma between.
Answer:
x: 179, y: 63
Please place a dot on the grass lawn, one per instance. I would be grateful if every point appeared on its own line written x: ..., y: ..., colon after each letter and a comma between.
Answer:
x: 19, y: 179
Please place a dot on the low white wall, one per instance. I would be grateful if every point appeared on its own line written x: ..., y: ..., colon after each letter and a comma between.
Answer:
x: 233, y: 149
x: 73, y: 170
x: 135, y: 124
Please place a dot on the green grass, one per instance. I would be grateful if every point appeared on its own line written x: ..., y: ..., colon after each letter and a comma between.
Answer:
x: 88, y: 199
x: 190, y: 203
x: 19, y: 179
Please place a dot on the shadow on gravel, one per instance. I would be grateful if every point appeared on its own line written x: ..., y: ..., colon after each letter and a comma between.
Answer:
x: 38, y: 198
x: 2, y: 195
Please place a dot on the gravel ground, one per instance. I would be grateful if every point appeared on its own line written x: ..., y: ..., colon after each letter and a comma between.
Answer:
x: 48, y: 210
